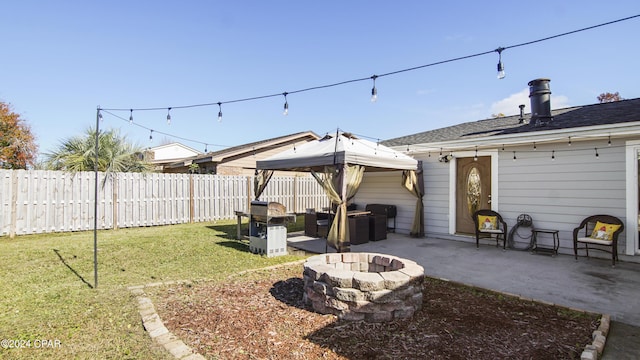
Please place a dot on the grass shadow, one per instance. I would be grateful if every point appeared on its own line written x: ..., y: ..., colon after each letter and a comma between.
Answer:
x: 227, y: 231
x: 235, y: 245
x: 72, y: 269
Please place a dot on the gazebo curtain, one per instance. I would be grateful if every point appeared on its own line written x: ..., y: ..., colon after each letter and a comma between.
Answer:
x: 340, y: 184
x: 260, y: 181
x: 412, y: 181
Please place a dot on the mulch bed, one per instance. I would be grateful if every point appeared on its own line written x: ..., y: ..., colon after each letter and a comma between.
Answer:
x: 260, y: 315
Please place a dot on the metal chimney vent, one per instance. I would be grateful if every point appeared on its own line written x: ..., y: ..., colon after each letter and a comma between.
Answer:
x: 540, y: 96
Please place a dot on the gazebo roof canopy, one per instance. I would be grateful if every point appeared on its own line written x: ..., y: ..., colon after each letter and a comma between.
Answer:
x: 343, y: 149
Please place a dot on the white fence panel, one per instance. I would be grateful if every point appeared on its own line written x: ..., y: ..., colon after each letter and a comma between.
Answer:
x: 40, y: 201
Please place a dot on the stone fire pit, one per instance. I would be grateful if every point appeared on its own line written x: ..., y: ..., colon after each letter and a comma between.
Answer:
x: 363, y: 286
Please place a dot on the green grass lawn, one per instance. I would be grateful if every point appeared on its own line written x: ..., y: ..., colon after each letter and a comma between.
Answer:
x: 47, y: 285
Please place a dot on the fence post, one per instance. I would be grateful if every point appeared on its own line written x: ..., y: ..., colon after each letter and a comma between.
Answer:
x: 249, y: 192
x: 295, y: 194
x: 114, y: 190
x: 14, y: 204
x: 192, y: 205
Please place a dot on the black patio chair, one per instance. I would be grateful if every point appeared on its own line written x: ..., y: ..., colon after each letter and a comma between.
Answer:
x: 489, y: 223
x: 596, y: 235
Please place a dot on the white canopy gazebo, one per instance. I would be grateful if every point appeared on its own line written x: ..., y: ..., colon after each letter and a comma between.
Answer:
x: 338, y: 162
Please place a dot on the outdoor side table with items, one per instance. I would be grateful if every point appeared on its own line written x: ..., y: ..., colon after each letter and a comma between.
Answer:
x: 547, y: 249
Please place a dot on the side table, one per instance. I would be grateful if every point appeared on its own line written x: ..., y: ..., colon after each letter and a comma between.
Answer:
x: 545, y: 249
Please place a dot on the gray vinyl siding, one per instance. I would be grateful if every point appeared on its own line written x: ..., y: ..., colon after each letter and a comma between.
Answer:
x: 559, y: 194
x: 386, y: 188
x: 436, y: 199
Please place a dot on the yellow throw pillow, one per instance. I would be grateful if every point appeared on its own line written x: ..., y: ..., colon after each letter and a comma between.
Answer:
x: 487, y: 222
x: 604, y: 231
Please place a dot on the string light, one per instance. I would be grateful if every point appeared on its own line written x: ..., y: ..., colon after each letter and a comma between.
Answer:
x: 440, y: 151
x: 475, y: 158
x: 168, y: 116
x: 499, y: 50
x: 502, y: 147
x: 609, y: 142
x: 131, y: 117
x: 219, y: 112
x: 286, y: 104
x: 205, y: 148
x: 501, y: 73
x: 553, y: 155
x: 374, y: 91
x: 374, y: 77
x: 514, y: 156
x: 569, y: 141
x: 534, y: 146
x: 597, y: 155
x: 151, y: 135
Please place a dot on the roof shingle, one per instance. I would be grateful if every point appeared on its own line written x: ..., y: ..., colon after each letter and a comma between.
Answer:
x: 573, y: 117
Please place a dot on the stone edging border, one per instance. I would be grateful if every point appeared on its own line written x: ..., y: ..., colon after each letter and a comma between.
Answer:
x: 156, y: 329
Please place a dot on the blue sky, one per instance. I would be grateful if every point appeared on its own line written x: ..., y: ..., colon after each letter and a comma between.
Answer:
x: 62, y: 60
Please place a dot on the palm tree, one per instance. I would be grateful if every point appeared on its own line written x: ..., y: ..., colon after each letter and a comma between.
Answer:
x: 115, y: 154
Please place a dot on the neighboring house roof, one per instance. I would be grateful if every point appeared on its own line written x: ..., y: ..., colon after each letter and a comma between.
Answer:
x: 251, y: 148
x: 566, y: 119
x: 172, y: 151
x: 244, y: 150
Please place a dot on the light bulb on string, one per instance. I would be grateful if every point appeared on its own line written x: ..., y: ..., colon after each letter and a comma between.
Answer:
x: 219, y: 112
x: 475, y: 157
x: 374, y: 91
x: 553, y: 155
x: 609, y: 142
x: 151, y: 135
x: 534, y: 146
x: 168, y: 116
x: 131, y: 117
x: 501, y: 73
x: 286, y: 105
x: 569, y: 144
x: 514, y: 156
x: 597, y: 155
x: 205, y: 148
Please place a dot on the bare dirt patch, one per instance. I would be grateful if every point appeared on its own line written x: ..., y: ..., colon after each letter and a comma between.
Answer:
x: 261, y: 315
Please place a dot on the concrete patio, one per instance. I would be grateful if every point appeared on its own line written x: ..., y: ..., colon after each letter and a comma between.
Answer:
x: 589, y: 284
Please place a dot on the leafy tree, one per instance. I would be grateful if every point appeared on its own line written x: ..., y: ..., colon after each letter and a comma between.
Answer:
x: 115, y: 154
x: 609, y: 97
x: 18, y: 149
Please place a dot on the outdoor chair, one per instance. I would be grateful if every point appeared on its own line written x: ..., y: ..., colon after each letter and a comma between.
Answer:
x: 600, y: 231
x: 489, y: 223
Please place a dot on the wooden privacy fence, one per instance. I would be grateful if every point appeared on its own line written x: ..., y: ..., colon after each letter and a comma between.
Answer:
x: 42, y: 201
